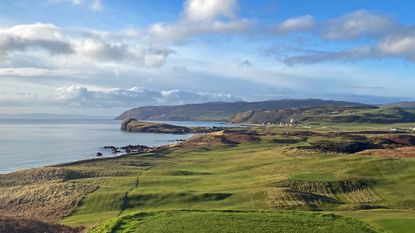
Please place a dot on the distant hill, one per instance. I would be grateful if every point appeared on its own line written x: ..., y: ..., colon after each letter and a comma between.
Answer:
x: 333, y: 114
x: 220, y: 111
x: 404, y: 105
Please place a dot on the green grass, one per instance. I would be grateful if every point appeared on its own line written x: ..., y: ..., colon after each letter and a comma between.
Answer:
x: 313, y: 176
x: 238, y: 178
x: 390, y: 220
x: 397, y: 225
x: 238, y: 222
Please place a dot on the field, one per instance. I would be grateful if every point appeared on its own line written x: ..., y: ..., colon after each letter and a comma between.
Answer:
x: 270, y: 182
x: 232, y: 221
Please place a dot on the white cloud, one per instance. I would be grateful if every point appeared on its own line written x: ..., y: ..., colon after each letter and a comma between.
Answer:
x: 74, y: 46
x: 183, y: 97
x: 297, y: 24
x: 209, y: 10
x: 358, y: 24
x: 399, y: 45
x: 83, y: 97
x: 183, y: 31
x: 35, y: 31
x: 33, y: 36
x: 200, y: 17
x: 115, y: 51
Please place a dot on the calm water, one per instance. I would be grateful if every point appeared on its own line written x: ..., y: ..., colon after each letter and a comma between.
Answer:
x: 34, y: 143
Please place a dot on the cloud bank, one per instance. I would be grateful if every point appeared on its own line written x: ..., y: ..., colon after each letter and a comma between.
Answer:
x: 83, y: 97
x: 385, y: 38
x: 152, y: 47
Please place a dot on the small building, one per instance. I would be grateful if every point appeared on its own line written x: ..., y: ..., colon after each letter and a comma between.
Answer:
x: 291, y: 123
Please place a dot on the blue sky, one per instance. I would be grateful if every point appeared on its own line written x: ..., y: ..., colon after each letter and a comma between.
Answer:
x: 102, y: 56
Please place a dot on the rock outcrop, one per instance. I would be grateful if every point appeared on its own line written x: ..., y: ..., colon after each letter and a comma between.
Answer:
x: 133, y: 125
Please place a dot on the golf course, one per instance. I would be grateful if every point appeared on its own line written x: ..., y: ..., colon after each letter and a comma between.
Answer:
x: 255, y: 179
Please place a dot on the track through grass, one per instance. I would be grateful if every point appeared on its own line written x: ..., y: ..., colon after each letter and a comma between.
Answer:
x: 232, y: 222
x: 237, y: 177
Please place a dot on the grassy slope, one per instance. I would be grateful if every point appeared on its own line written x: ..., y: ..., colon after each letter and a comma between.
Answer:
x: 217, y: 111
x: 237, y: 178
x: 235, y: 221
x: 334, y: 114
x: 402, y: 221
x: 379, y: 115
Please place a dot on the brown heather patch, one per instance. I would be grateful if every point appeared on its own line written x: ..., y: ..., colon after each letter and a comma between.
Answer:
x: 403, y: 152
x: 48, y: 201
x: 225, y: 137
x: 39, y: 175
x: 311, y: 194
x: 33, y: 226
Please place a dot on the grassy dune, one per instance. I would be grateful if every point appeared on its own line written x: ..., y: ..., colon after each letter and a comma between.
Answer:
x: 269, y: 183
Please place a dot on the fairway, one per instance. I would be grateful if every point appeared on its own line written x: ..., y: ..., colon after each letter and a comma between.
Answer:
x: 232, y: 222
x: 277, y: 182
x: 400, y: 221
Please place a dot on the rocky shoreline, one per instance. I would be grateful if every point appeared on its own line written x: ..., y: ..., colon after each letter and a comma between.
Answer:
x: 133, y: 125
x: 228, y: 136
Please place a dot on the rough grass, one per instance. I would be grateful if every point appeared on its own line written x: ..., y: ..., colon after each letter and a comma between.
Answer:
x: 48, y: 201
x: 39, y: 175
x: 310, y: 194
x: 390, y: 220
x: 404, y: 152
x: 237, y: 177
x: 14, y: 225
x: 220, y: 221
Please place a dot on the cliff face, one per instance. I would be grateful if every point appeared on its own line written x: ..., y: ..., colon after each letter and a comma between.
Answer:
x: 132, y: 125
x: 124, y: 124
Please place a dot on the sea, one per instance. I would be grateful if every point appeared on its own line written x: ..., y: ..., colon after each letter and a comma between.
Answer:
x: 35, y: 143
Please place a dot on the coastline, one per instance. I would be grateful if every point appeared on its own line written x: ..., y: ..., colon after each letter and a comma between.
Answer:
x: 76, y: 157
x: 28, y: 144
x: 90, y: 160
x: 76, y: 162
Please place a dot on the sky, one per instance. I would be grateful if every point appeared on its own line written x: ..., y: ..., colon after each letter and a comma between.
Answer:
x: 101, y: 57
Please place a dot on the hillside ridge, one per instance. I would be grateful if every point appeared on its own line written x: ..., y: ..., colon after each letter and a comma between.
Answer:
x: 328, y: 114
x: 220, y: 111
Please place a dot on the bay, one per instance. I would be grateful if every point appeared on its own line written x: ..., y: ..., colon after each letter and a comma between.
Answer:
x: 34, y: 143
